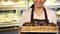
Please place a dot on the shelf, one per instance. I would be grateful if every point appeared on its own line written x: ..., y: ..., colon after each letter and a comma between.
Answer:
x: 53, y: 6
x: 9, y: 24
x: 11, y: 7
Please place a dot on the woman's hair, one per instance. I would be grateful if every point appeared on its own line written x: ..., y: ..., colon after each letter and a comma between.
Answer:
x: 32, y: 6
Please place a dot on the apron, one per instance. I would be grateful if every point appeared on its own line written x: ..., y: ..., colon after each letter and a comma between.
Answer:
x: 42, y: 22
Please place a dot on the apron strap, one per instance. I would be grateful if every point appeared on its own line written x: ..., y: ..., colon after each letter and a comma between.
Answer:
x: 32, y: 14
x: 46, y: 17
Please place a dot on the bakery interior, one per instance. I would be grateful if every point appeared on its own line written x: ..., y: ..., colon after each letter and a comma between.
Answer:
x: 11, y: 11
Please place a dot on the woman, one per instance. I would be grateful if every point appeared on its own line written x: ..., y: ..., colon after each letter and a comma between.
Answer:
x: 39, y: 13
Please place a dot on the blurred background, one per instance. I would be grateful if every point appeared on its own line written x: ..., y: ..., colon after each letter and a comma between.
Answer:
x: 11, y: 11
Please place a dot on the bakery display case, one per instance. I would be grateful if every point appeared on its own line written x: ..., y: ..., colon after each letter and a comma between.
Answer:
x: 8, y: 20
x: 10, y: 14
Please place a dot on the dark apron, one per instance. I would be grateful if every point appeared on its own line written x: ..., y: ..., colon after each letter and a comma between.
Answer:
x: 38, y: 21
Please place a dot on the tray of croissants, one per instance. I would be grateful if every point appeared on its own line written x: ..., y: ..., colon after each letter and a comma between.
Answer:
x: 30, y: 27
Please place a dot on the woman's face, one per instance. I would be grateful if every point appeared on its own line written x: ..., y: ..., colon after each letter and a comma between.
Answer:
x: 39, y: 3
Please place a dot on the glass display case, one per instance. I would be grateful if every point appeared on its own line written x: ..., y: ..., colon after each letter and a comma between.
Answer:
x: 10, y: 12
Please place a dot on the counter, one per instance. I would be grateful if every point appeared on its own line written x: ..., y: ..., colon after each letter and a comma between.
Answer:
x: 8, y: 27
x: 9, y: 30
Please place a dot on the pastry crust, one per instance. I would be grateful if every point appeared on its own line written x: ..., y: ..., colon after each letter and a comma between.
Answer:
x: 40, y: 28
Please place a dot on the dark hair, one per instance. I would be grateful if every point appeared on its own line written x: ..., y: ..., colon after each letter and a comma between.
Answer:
x: 32, y: 6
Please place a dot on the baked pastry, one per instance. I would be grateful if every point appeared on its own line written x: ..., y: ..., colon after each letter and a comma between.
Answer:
x: 52, y: 24
x: 40, y: 28
x: 13, y: 21
x: 38, y: 24
x: 28, y: 24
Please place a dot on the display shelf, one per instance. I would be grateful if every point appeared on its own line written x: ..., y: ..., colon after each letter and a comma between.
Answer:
x: 9, y: 24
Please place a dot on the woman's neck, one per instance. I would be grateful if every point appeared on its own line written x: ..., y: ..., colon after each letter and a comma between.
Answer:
x: 38, y: 11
